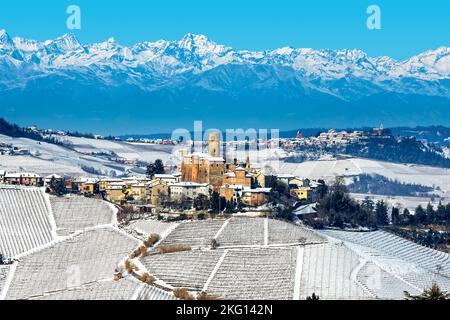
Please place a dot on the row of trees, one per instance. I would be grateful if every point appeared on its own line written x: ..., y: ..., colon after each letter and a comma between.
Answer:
x: 428, y: 226
x: 14, y: 131
x: 217, y: 204
x: 427, y: 216
x: 377, y: 184
x: 338, y: 209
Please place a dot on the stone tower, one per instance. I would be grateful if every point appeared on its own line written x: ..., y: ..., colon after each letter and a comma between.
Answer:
x: 195, y: 168
x: 214, y: 144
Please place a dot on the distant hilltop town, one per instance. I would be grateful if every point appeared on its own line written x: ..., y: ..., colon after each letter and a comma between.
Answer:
x: 335, y: 138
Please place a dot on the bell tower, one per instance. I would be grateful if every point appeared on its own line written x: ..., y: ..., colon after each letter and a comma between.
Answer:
x: 214, y: 144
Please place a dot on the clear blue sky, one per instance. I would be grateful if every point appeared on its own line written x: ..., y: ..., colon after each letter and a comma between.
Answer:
x: 408, y: 27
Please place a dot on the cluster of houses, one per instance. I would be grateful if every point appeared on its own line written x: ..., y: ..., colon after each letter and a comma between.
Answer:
x: 324, y: 139
x: 200, y: 176
x: 22, y: 178
x: 86, y: 186
x: 162, y: 188
x: 8, y: 149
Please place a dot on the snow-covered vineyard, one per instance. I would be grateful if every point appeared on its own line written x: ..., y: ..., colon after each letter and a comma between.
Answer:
x: 25, y: 221
x: 65, y: 248
x: 259, y: 258
x: 78, y: 213
x: 71, y: 247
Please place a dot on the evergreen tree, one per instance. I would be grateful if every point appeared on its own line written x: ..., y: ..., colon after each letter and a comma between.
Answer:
x: 201, y: 202
x: 322, y: 188
x: 229, y: 207
x: 313, y: 297
x: 420, y: 215
x: 431, y: 214
x: 57, y: 186
x: 406, y: 217
x: 239, y: 204
x: 440, y: 213
x: 159, y: 167
x: 217, y: 202
x: 395, y: 216
x: 155, y: 168
x: 433, y: 293
x: 381, y: 213
x: 367, y: 203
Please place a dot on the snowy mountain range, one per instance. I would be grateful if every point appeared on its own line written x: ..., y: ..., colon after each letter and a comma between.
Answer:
x: 195, y: 78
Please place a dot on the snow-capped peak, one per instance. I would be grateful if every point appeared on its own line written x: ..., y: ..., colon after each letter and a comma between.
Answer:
x: 201, y: 45
x: 191, y: 41
x: 283, y: 51
x: 65, y: 43
x: 26, y: 44
x: 5, y: 40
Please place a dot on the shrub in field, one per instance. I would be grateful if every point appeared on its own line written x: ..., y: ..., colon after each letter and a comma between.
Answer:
x: 182, y: 293
x: 151, y: 240
x: 128, y: 266
x: 213, y: 244
x: 143, y: 251
x: 148, y: 279
x: 207, y: 296
x: 136, y: 253
x: 173, y: 248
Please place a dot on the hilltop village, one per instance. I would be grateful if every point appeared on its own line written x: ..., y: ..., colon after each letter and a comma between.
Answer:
x: 202, y: 182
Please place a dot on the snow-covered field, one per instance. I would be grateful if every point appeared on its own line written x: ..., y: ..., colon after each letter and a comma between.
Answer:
x: 129, y: 150
x: 280, y: 232
x: 327, y: 271
x: 74, y: 213
x: 48, y: 158
x: 25, y: 220
x: 410, y: 203
x: 125, y: 289
x: 258, y: 274
x: 183, y: 269
x: 198, y: 233
x: 413, y: 264
x: 274, y: 260
x: 148, y: 227
x: 62, y: 266
x: 328, y: 170
x: 336, y: 265
x: 407, y: 173
x: 4, y: 270
x: 85, y: 258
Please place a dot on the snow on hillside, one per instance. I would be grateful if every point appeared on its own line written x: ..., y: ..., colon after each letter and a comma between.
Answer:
x: 328, y: 170
x: 416, y: 174
x: 133, y: 151
x: 411, y: 203
x: 26, y: 222
x: 48, y: 158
